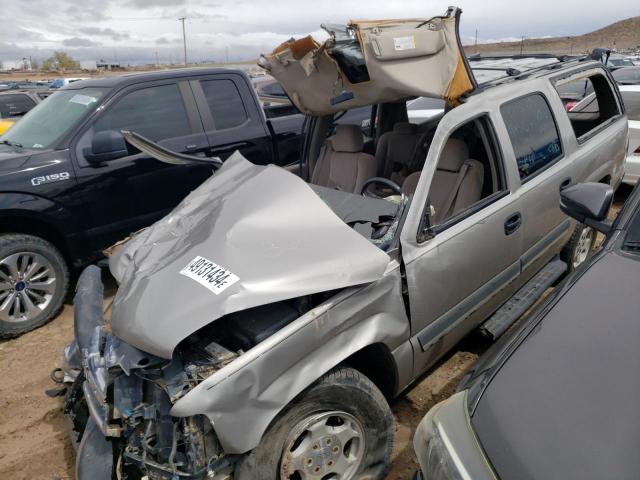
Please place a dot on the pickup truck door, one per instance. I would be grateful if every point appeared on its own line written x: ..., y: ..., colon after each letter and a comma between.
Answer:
x: 120, y: 196
x: 233, y: 118
x: 545, y: 167
x: 463, y: 269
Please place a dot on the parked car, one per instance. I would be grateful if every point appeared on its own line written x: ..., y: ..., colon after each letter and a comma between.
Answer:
x: 627, y: 75
x: 15, y: 104
x: 64, y: 81
x: 618, y: 61
x: 552, y: 399
x: 259, y: 329
x: 70, y: 186
x: 588, y: 109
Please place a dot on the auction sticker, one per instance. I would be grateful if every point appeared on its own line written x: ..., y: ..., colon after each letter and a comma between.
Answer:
x: 209, y: 274
x: 404, y: 43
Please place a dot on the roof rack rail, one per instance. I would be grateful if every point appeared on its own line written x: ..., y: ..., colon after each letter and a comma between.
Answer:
x: 518, y: 56
x: 512, y: 72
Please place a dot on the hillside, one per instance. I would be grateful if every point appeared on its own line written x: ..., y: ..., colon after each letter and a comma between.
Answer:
x: 624, y: 34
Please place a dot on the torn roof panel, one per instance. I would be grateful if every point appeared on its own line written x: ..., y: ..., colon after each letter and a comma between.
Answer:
x: 372, y: 61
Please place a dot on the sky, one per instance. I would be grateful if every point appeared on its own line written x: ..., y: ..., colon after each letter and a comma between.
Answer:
x: 135, y: 31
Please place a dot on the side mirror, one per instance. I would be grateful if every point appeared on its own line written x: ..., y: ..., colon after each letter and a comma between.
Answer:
x: 588, y: 203
x: 106, y: 145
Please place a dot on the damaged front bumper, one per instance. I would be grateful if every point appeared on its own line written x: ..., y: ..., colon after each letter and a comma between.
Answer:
x: 120, y: 395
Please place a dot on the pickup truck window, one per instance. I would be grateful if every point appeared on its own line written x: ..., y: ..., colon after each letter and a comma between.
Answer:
x: 533, y: 133
x: 597, y: 106
x: 15, y: 105
x: 225, y: 103
x: 157, y: 113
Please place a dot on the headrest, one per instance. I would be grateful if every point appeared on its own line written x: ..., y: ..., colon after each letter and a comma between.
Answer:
x: 348, y: 138
x: 404, y: 128
x: 454, y: 154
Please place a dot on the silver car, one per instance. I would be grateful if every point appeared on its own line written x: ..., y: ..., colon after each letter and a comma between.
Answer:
x: 260, y: 329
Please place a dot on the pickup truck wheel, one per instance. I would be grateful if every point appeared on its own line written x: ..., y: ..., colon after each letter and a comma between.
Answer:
x: 33, y: 283
x: 579, y: 247
x: 340, y: 428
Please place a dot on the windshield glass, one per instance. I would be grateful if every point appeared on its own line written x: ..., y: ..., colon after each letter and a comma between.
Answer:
x: 43, y: 126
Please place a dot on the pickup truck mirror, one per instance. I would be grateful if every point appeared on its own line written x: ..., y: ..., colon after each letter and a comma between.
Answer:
x: 588, y: 203
x: 106, y: 145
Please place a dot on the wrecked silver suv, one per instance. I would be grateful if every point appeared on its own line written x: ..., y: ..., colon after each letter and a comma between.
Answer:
x: 260, y: 329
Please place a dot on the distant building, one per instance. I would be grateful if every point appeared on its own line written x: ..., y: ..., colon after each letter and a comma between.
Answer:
x: 22, y: 64
x: 89, y: 65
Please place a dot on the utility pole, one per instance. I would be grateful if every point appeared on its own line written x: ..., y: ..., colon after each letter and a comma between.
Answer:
x: 157, y: 59
x: 521, y: 45
x: 184, y: 39
x: 476, y: 44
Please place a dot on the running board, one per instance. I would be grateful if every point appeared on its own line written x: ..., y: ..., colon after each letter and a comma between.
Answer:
x: 508, y: 313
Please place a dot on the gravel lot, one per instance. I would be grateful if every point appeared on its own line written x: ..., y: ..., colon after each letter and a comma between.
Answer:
x: 33, y: 436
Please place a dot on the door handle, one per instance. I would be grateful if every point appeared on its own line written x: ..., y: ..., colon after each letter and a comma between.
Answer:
x: 565, y: 183
x: 512, y: 223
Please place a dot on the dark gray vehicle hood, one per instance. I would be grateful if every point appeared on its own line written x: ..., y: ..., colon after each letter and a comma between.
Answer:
x: 275, y: 236
x: 565, y: 404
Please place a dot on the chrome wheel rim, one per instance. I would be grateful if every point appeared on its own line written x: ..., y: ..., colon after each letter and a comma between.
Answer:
x: 326, y: 446
x: 27, y: 285
x: 584, y: 246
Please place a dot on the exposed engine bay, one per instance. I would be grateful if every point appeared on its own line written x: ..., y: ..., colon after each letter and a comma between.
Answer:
x: 132, y: 393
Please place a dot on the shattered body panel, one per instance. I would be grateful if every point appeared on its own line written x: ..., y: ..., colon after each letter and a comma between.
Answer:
x: 254, y: 221
x: 371, y: 62
x: 242, y: 398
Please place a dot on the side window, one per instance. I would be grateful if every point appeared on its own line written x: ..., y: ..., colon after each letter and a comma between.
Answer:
x: 15, y: 105
x: 469, y: 172
x: 595, y: 105
x: 225, y: 102
x: 631, y: 101
x: 157, y: 113
x: 533, y: 133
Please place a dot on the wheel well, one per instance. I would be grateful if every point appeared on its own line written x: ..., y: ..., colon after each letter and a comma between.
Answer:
x: 39, y: 228
x: 377, y: 364
x: 606, y: 180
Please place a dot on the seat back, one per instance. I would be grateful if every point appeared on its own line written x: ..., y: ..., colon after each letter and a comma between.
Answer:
x: 453, y: 188
x: 342, y: 164
x: 395, y: 151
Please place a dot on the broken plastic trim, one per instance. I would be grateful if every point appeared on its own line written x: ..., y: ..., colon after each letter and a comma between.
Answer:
x: 165, y: 155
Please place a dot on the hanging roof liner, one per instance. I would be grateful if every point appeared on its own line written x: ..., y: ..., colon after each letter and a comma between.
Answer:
x: 370, y: 62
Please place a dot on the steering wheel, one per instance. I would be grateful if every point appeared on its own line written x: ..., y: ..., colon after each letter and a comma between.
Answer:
x: 380, y: 181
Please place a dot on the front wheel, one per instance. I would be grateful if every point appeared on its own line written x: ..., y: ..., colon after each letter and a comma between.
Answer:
x: 579, y: 247
x: 340, y: 428
x: 33, y: 283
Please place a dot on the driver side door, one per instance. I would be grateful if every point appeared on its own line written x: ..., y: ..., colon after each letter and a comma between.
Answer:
x: 122, y: 195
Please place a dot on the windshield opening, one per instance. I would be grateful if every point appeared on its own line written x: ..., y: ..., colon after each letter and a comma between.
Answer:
x: 47, y: 123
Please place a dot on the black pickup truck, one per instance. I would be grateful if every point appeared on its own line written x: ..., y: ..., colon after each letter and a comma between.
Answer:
x: 70, y: 185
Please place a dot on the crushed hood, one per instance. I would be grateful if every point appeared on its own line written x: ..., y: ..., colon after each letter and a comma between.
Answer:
x: 262, y: 236
x: 371, y: 62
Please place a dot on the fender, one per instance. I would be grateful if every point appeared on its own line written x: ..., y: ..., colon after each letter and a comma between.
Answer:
x: 243, y: 398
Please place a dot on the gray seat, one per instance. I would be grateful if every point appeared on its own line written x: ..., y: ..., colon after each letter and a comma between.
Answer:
x: 395, y: 151
x: 342, y: 164
x: 457, y: 182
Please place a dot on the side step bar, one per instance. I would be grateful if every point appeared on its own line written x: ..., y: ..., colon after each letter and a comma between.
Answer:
x: 500, y: 321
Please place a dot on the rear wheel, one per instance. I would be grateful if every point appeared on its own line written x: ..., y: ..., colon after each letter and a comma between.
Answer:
x: 579, y: 247
x: 341, y: 428
x: 33, y: 283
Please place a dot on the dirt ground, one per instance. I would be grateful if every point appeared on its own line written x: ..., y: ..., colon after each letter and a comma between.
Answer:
x: 34, y: 443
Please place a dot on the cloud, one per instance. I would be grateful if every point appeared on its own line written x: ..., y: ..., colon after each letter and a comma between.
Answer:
x: 167, y: 41
x: 144, y: 4
x: 79, y: 42
x: 105, y: 32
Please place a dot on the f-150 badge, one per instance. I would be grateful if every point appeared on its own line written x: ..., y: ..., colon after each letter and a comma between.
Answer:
x: 54, y: 177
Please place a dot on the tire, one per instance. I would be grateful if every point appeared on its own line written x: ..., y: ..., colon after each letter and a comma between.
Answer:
x: 580, y: 247
x: 342, y: 394
x: 34, y: 271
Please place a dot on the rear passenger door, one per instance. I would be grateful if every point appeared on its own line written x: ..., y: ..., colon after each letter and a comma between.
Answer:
x: 544, y: 167
x: 232, y: 117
